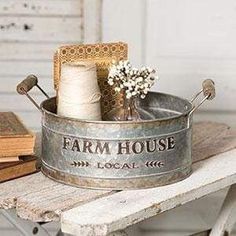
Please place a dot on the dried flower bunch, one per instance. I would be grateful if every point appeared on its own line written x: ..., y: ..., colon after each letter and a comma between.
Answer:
x: 133, y: 81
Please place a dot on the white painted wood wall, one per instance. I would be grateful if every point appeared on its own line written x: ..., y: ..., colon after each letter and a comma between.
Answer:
x: 187, y: 40
x: 30, y: 31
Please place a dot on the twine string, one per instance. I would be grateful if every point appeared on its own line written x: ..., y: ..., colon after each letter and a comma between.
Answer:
x: 79, y: 95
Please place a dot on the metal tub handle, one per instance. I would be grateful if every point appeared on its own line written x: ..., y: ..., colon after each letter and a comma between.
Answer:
x: 26, y: 85
x: 208, y: 90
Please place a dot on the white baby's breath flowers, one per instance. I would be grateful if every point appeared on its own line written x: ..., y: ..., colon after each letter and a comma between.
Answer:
x: 133, y: 81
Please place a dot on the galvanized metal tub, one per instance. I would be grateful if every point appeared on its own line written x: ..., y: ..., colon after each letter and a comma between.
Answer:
x: 120, y: 155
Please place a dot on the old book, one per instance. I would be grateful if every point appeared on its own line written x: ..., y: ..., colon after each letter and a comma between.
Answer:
x: 26, y: 165
x: 15, y: 138
x: 9, y: 159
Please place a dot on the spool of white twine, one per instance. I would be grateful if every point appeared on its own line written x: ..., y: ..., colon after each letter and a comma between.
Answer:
x: 79, y: 94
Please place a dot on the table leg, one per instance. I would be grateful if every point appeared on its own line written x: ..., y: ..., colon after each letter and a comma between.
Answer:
x: 226, y: 218
x: 26, y: 227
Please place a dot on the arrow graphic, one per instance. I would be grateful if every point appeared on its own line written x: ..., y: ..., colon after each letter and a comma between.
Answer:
x: 154, y: 164
x: 80, y: 164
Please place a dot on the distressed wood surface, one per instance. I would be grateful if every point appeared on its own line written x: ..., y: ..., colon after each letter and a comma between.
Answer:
x: 126, y: 208
x: 30, y: 32
x: 24, y: 103
x: 10, y: 87
x: 226, y: 219
x: 186, y: 79
x: 211, y: 138
x: 92, y: 28
x: 227, y: 117
x: 41, y: 7
x: 194, y: 48
x: 194, y: 42
x: 120, y: 13
x: 29, y: 51
x: 22, y: 68
x: 55, y: 29
x: 38, y: 198
x: 35, y: 117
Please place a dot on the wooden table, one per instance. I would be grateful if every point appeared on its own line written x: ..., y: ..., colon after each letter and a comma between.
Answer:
x: 100, y: 212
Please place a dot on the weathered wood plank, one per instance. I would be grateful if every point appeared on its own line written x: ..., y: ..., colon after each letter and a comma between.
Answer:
x: 27, y: 51
x: 210, y: 139
x: 32, y: 119
x: 9, y: 198
x: 38, y: 198
x: 10, y: 87
x: 92, y: 21
x: 23, y: 105
x: 186, y: 83
x: 22, y: 68
x: 42, y: 199
x: 216, y: 116
x: 40, y: 29
x: 49, y: 201
x: 185, y: 34
x: 43, y: 8
x: 125, y: 208
x: 187, y: 66
x: 44, y: 69
x: 187, y: 48
x: 116, y: 15
x: 226, y: 219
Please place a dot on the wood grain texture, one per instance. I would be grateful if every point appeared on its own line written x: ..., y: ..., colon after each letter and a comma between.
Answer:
x: 12, y: 126
x: 226, y: 220
x: 216, y: 116
x: 133, y: 206
x: 29, y: 51
x: 38, y: 198
x: 31, y: 31
x: 31, y: 118
x: 192, y: 43
x: 191, y: 29
x: 10, y: 88
x: 128, y: 28
x: 56, y: 29
x: 126, y: 208
x: 42, y: 8
x: 23, y: 105
x: 22, y: 68
x: 92, y: 29
x: 13, y: 170
x: 210, y: 139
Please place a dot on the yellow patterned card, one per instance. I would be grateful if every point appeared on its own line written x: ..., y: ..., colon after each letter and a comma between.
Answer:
x: 102, y: 54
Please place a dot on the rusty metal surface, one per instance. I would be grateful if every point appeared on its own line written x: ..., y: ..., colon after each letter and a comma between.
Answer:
x: 119, y: 155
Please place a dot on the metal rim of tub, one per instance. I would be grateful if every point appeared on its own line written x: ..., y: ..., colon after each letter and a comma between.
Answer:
x: 144, y: 169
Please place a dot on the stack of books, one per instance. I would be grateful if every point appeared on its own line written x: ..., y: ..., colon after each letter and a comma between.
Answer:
x: 16, y: 147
